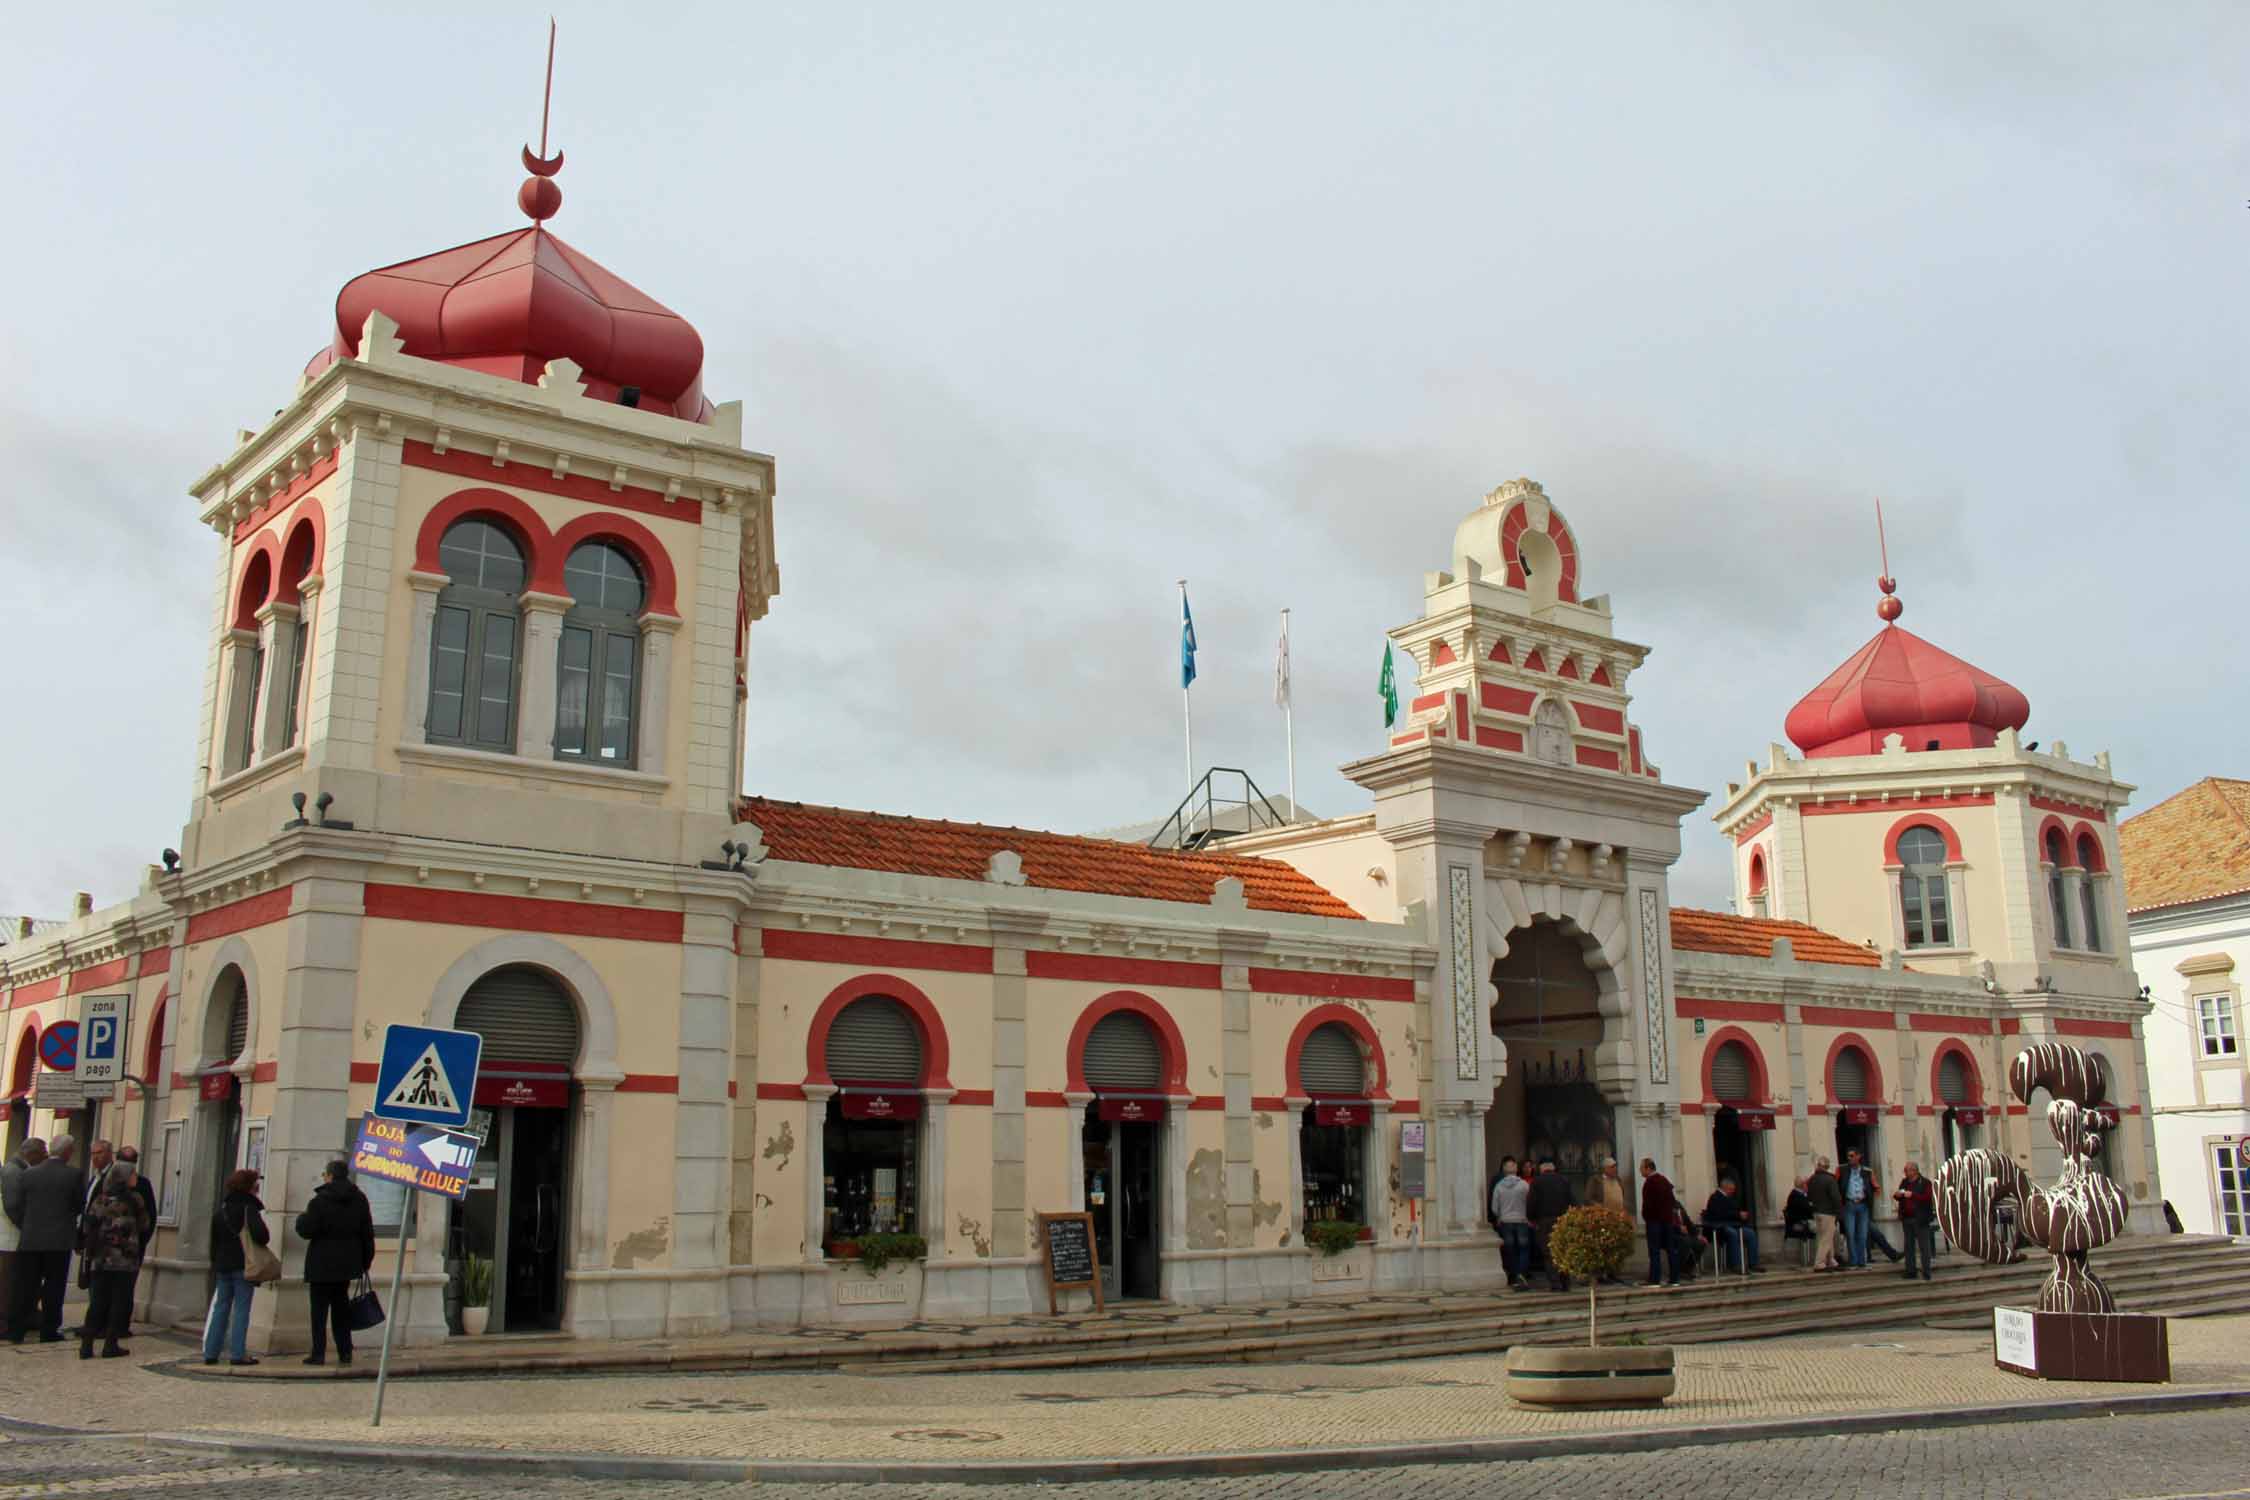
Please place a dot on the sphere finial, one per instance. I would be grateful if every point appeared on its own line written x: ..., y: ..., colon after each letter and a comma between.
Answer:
x: 539, y: 198
x: 1888, y: 608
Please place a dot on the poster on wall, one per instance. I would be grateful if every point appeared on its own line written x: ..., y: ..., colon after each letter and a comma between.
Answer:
x: 254, y: 1145
x: 884, y: 1210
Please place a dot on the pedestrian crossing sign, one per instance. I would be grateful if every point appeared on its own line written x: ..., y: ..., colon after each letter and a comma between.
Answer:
x: 428, y: 1076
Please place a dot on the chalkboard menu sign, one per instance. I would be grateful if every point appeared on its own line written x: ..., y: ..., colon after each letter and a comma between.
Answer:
x: 1071, y: 1258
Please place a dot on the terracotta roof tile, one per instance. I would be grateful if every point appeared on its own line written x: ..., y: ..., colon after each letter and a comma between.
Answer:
x: 805, y: 834
x: 2194, y: 846
x: 1752, y: 937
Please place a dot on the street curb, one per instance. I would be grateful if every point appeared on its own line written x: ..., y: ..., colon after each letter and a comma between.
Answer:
x: 1181, y: 1465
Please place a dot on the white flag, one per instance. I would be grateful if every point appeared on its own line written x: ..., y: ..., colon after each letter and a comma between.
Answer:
x: 1281, y: 666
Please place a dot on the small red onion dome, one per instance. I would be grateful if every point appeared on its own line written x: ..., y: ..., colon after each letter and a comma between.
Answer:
x: 1900, y: 684
x: 509, y: 304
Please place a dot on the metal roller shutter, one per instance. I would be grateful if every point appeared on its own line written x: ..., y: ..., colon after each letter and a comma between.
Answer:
x: 1953, y: 1079
x: 1330, y: 1063
x: 523, y: 1014
x: 874, y: 1040
x: 1122, y: 1054
x: 238, y: 1020
x: 1731, y: 1074
x: 1850, y: 1078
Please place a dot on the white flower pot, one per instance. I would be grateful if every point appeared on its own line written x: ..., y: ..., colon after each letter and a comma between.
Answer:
x: 473, y: 1320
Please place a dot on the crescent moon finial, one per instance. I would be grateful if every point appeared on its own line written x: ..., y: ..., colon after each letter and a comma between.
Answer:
x: 539, y: 197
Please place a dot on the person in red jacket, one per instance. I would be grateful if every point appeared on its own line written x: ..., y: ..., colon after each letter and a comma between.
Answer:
x: 1917, y: 1215
x: 1659, y: 1211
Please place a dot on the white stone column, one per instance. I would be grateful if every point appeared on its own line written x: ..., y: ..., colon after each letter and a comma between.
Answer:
x: 308, y: 597
x: 536, y: 697
x: 817, y: 1096
x: 1175, y: 1171
x: 1075, y: 1120
x: 277, y: 629
x: 702, y: 1183
x: 1293, y: 1111
x: 930, y: 1210
x: 421, y: 636
x: 653, y: 742
x: 586, y: 1302
x: 1377, y: 1174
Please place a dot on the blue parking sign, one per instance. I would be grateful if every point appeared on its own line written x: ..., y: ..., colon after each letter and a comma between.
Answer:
x: 428, y: 1075
x: 101, y: 1039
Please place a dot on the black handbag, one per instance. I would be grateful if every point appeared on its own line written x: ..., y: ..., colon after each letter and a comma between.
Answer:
x: 367, y: 1309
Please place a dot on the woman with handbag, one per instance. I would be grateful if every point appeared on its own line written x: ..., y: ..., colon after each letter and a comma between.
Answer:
x: 241, y: 1259
x: 338, y: 1229
x: 109, y: 1250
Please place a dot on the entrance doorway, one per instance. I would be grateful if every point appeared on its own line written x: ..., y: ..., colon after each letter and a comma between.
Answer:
x: 516, y: 1216
x: 1738, y: 1150
x: 1122, y: 1158
x: 1549, y: 1016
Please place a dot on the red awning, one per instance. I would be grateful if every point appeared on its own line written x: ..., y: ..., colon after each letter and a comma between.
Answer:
x: 533, y: 1085
x: 1753, y: 1119
x: 893, y: 1105
x: 1968, y: 1114
x: 1341, y: 1114
x: 1111, y: 1107
x: 1862, y: 1114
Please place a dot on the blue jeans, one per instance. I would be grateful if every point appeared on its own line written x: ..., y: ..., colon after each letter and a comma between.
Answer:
x: 230, y: 1317
x: 1663, y: 1254
x: 1742, y: 1237
x: 1515, y: 1250
x: 1855, y: 1232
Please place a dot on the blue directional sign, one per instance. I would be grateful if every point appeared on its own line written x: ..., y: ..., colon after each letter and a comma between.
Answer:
x: 58, y: 1046
x: 428, y: 1076
x: 427, y: 1158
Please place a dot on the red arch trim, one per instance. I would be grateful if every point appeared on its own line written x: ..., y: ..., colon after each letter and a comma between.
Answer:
x: 521, y: 520
x: 1968, y: 1060
x: 1757, y: 872
x: 1370, y: 1046
x: 2047, y: 825
x: 27, y: 1058
x: 2099, y: 864
x: 636, y: 539
x: 935, y: 1053
x: 1758, y: 1075
x: 1167, y: 1035
x: 152, y: 1049
x: 255, y: 587
x: 1922, y: 820
x: 310, y: 524
x: 1874, y: 1070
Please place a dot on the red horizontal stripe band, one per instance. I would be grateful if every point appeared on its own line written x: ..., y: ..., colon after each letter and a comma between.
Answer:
x: 1831, y: 1015
x: 82, y: 980
x: 407, y: 903
x: 874, y: 952
x: 649, y: 1083
x: 1726, y: 1010
x: 2067, y: 1026
x: 239, y: 916
x: 1958, y: 1025
x: 1098, y: 968
x: 1330, y: 986
x: 527, y: 476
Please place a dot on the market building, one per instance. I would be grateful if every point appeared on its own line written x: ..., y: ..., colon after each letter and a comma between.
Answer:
x: 470, y: 752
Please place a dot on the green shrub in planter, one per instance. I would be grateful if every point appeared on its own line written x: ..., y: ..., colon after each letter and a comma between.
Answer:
x: 1591, y: 1242
x: 879, y: 1250
x: 1333, y: 1236
x: 476, y: 1282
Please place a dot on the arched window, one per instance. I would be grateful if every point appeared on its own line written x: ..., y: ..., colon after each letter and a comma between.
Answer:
x: 524, y: 1015
x: 1124, y: 1055
x: 1332, y: 1137
x: 1757, y: 882
x: 473, y: 641
x: 2058, y: 903
x: 1953, y: 1079
x: 2089, y: 892
x: 599, y: 662
x: 1848, y: 1077
x: 871, y: 1133
x: 296, y: 643
x: 1921, y: 888
x: 1733, y: 1076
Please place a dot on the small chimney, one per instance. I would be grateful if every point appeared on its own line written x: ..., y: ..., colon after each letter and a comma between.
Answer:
x: 23, y: 927
x: 82, y: 905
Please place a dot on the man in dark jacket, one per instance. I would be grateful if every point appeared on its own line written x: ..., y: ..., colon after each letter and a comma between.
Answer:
x: 1728, y: 1220
x: 1917, y: 1215
x: 1550, y: 1200
x: 339, y: 1234
x: 1659, y: 1208
x: 1828, y: 1209
x: 46, y: 1204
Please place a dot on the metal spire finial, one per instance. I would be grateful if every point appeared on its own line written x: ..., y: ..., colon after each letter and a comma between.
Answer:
x: 1888, y: 608
x: 539, y: 198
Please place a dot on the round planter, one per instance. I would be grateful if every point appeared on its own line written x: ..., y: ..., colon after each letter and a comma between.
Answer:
x: 1573, y: 1375
x: 473, y: 1320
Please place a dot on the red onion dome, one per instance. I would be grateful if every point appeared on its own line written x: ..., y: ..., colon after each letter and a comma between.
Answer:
x: 1900, y: 684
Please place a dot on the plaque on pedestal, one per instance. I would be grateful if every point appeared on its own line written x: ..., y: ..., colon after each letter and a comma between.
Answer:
x: 2081, y: 1346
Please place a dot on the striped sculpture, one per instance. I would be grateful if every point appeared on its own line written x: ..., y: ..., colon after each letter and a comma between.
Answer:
x: 1986, y: 1201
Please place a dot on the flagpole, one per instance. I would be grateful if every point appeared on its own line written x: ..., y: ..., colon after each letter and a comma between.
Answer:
x: 1187, y: 704
x: 1289, y: 716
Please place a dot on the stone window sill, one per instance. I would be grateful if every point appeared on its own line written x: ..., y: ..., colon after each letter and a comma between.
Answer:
x: 566, y: 772
x: 255, y: 775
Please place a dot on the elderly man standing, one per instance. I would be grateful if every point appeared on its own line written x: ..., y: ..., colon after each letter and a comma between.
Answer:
x: 1827, y: 1208
x: 1660, y: 1208
x: 46, y: 1205
x: 33, y: 1152
x: 1917, y: 1215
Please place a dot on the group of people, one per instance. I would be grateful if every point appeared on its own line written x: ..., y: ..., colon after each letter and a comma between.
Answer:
x: 1833, y: 1209
x: 106, y: 1215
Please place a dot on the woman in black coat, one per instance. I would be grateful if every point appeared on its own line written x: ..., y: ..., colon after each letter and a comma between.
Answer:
x: 338, y: 1229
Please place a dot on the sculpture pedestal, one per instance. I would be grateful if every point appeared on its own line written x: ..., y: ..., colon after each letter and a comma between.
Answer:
x: 2081, y: 1346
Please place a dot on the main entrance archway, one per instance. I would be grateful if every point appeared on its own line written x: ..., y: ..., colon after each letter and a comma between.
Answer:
x: 1549, y: 1016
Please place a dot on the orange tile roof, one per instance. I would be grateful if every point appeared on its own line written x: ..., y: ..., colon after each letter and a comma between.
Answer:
x: 1752, y: 937
x: 805, y: 834
x: 2193, y: 846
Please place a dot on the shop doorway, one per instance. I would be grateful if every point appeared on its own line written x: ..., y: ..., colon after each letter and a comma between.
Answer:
x: 516, y: 1218
x: 1738, y: 1151
x: 1122, y: 1161
x: 1549, y: 1016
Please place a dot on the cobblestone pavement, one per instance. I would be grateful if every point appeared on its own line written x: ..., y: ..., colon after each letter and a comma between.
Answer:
x: 2204, y: 1454
x: 1057, y: 1414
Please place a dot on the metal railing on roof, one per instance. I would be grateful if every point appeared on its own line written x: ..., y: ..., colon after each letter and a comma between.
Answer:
x: 1206, y: 815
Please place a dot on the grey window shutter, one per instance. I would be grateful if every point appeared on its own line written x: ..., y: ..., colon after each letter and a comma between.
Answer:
x: 1851, y: 1076
x: 874, y: 1040
x: 238, y: 1021
x: 1953, y: 1079
x: 1122, y: 1054
x: 524, y: 1016
x: 1731, y: 1073
x: 1330, y: 1063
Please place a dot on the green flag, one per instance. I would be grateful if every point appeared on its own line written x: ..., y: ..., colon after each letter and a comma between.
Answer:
x: 1387, y: 689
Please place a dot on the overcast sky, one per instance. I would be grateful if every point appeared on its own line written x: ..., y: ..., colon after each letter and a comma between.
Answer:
x: 1042, y: 312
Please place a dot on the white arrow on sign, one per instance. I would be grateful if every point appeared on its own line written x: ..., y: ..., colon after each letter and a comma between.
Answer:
x: 446, y: 1152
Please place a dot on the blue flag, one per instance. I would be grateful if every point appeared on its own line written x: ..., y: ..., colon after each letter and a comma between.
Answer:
x: 1187, y: 641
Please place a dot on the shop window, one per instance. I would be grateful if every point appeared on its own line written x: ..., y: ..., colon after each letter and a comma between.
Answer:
x: 475, y: 637
x: 598, y: 661
x: 1921, y: 888
x: 1332, y: 1141
x: 2230, y: 1177
x: 871, y: 1135
x: 2214, y: 1021
x: 2058, y: 902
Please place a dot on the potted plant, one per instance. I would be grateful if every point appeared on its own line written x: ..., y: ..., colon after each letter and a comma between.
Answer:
x: 1590, y: 1242
x: 1334, y: 1236
x: 476, y: 1294
x: 875, y: 1251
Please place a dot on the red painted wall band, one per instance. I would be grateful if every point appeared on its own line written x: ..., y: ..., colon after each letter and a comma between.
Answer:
x: 1330, y: 986
x: 2065, y: 1026
x: 82, y: 980
x: 525, y: 476
x: 239, y: 916
x: 1725, y: 1010
x: 1100, y: 969
x: 408, y: 903
x: 871, y: 952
